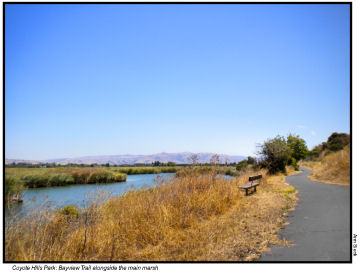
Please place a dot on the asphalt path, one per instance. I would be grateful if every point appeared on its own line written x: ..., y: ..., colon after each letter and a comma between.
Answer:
x: 319, y: 226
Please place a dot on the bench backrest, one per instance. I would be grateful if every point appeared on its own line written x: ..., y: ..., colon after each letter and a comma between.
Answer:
x: 256, y: 177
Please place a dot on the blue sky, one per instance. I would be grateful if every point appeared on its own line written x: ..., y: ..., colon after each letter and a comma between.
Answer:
x: 140, y: 79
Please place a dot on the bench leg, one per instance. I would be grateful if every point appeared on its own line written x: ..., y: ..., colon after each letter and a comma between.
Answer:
x: 246, y: 190
x: 254, y: 188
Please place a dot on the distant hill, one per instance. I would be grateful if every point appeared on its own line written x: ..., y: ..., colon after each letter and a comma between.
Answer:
x: 178, y: 158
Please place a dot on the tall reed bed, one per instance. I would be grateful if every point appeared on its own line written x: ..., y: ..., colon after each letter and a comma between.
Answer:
x: 13, y: 189
x: 145, y: 170
x: 46, y: 177
x: 193, y: 217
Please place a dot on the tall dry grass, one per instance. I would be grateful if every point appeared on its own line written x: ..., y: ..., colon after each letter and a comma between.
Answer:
x: 333, y: 168
x: 194, y: 217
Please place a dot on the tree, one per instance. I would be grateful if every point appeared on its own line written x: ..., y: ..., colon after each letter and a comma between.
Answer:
x: 215, y: 159
x: 194, y: 158
x: 337, y: 141
x: 171, y: 164
x: 297, y: 146
x: 241, y: 165
x: 275, y: 154
x: 251, y: 160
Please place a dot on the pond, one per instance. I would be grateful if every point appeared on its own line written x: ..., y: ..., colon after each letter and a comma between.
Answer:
x: 79, y: 195
x: 53, y: 198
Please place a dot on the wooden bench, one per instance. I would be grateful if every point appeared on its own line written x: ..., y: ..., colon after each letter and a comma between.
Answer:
x: 251, y: 183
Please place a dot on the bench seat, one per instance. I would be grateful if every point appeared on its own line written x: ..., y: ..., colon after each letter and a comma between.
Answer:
x: 249, y: 185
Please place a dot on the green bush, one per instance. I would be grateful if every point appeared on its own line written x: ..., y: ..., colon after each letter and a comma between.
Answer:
x: 292, y: 161
x: 275, y: 153
x: 241, y: 165
x: 314, y: 153
x: 69, y: 211
x: 251, y: 160
x: 337, y: 141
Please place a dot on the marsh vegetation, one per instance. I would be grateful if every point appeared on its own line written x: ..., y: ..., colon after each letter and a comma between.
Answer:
x: 195, y: 216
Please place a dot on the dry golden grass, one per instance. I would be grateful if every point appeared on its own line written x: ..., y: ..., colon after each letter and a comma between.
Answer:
x: 192, y: 218
x: 333, y: 168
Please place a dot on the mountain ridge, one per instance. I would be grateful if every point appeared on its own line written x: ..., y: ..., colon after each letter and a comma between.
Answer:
x: 128, y: 159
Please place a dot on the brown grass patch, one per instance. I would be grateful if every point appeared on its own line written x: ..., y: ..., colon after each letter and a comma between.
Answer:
x: 192, y: 218
x: 333, y: 168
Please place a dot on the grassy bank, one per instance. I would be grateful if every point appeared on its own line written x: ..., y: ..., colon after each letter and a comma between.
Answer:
x: 61, y: 176
x: 144, y: 170
x: 13, y: 189
x: 17, y: 179
x: 331, y: 167
x: 193, y: 217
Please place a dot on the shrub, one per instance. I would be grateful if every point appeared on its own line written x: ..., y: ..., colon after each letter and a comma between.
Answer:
x: 275, y: 153
x: 251, y: 160
x: 292, y: 161
x: 241, y: 165
x: 337, y: 141
x: 69, y: 211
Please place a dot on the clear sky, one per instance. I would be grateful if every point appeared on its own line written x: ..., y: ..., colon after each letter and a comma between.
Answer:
x: 139, y: 79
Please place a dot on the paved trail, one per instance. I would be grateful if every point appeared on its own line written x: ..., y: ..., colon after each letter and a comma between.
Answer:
x: 319, y: 226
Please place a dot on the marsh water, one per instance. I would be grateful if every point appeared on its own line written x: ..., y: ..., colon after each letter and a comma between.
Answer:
x: 79, y: 195
x: 52, y: 198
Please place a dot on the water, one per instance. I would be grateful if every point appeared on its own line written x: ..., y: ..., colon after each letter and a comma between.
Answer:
x: 78, y: 195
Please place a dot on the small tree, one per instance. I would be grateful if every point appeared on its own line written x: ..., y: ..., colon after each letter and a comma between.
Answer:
x: 251, y: 160
x: 241, y: 165
x: 171, y: 164
x: 215, y: 159
x: 297, y: 146
x: 194, y: 158
x: 275, y: 154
